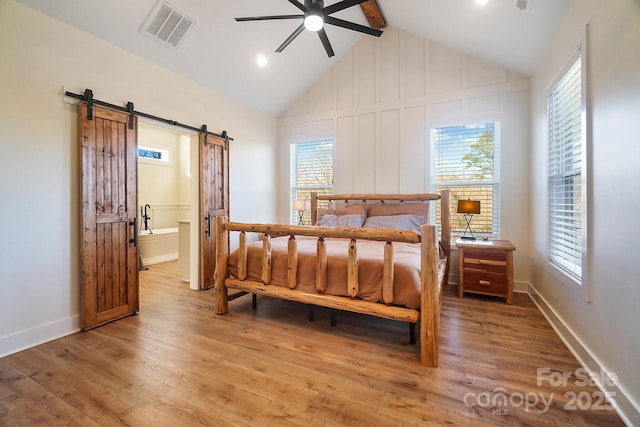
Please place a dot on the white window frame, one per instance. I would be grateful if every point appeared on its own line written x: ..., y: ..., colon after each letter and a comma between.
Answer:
x: 496, y: 220
x: 293, y: 187
x: 577, y: 281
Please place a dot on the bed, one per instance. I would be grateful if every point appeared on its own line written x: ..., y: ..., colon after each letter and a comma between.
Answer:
x: 376, y: 254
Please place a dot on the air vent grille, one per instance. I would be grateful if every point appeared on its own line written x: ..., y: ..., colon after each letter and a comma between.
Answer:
x: 167, y: 25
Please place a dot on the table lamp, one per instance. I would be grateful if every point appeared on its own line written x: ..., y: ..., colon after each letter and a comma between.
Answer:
x: 468, y: 208
x: 300, y: 206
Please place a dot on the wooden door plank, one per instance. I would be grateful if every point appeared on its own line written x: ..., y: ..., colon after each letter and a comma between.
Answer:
x: 88, y: 229
x: 130, y: 146
x: 108, y: 266
x: 103, y: 304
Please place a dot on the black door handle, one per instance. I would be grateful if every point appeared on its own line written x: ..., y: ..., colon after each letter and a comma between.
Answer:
x: 134, y: 223
x: 207, y: 230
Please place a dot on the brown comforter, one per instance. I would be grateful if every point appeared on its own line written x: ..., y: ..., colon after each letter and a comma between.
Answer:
x: 406, y: 284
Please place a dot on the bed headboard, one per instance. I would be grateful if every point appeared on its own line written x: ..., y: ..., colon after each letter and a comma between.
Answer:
x: 443, y: 197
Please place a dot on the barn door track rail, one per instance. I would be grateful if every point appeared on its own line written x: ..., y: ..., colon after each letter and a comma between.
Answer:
x: 88, y: 98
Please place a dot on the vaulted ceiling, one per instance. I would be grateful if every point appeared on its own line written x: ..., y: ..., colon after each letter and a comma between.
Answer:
x: 220, y: 53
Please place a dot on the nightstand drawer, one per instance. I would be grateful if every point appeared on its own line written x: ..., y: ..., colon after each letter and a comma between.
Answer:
x: 485, y: 255
x: 483, y: 282
x: 484, y: 264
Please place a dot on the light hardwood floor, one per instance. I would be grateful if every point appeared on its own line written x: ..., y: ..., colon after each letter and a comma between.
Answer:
x: 178, y: 364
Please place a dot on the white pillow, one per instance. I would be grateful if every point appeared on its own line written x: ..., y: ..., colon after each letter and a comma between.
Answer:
x: 396, y: 222
x: 355, y: 220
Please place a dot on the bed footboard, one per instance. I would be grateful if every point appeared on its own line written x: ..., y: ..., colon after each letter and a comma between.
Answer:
x: 428, y: 316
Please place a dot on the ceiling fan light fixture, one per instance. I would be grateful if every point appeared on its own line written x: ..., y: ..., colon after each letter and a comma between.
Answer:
x: 313, y: 21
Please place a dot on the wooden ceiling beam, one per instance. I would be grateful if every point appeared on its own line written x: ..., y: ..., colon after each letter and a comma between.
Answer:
x: 374, y: 15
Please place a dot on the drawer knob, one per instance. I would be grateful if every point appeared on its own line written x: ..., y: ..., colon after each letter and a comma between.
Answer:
x: 484, y: 282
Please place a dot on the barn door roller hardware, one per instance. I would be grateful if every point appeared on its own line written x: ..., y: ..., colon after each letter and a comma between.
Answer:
x: 205, y: 132
x: 88, y: 98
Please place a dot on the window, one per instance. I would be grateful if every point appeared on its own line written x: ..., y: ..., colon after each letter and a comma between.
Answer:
x: 311, y: 170
x: 566, y: 174
x: 465, y: 161
x: 153, y: 155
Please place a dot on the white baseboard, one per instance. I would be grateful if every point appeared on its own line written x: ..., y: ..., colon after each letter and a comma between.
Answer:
x: 159, y: 259
x: 39, y: 335
x: 628, y: 410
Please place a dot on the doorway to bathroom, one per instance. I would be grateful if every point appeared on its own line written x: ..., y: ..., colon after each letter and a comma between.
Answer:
x: 166, y: 202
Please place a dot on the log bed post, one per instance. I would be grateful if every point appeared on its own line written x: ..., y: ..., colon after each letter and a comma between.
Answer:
x: 430, y: 298
x: 220, y: 274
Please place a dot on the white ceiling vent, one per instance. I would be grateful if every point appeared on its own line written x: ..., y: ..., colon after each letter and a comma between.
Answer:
x: 167, y: 25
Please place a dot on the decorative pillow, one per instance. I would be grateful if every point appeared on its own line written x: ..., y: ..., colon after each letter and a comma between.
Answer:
x: 351, y: 210
x: 327, y: 220
x: 420, y: 209
x: 396, y: 222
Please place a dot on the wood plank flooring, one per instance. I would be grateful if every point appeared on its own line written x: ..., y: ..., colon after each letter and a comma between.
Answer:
x: 178, y: 364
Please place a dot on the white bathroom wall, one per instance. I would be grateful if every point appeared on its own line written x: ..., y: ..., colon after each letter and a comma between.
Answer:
x: 39, y: 174
x: 379, y: 103
x: 164, y: 186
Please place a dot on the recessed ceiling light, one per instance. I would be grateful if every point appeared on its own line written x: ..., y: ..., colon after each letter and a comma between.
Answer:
x: 482, y: 2
x: 261, y: 60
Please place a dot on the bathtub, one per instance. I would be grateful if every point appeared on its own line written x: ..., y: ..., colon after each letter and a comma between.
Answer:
x: 161, y: 246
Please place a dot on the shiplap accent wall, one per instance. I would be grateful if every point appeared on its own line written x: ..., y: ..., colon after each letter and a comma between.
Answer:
x: 378, y: 103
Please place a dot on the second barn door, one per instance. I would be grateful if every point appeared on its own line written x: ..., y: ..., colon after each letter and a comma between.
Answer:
x: 214, y: 200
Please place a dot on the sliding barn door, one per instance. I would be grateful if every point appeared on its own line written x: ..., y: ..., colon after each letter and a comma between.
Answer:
x: 109, y: 253
x: 214, y: 200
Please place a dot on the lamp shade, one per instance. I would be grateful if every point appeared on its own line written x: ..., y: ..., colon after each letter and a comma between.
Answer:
x: 469, y: 207
x: 300, y: 205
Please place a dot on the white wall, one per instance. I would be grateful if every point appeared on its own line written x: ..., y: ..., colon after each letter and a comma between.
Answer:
x: 379, y: 103
x: 39, y: 246
x: 608, y: 325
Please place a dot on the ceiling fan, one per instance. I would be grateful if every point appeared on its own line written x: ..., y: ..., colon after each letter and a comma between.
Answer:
x: 314, y: 17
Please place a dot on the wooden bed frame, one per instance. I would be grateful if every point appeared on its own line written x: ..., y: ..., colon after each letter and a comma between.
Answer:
x: 433, y: 272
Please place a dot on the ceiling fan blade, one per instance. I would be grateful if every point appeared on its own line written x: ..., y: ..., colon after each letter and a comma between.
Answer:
x: 299, y: 5
x: 265, y: 18
x: 325, y: 42
x: 345, y: 4
x: 289, y: 39
x: 352, y: 26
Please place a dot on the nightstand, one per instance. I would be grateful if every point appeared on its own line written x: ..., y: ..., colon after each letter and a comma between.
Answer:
x: 486, y: 267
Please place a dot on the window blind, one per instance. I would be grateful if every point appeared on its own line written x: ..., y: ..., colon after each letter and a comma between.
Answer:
x: 565, y: 172
x: 464, y: 161
x: 311, y: 170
